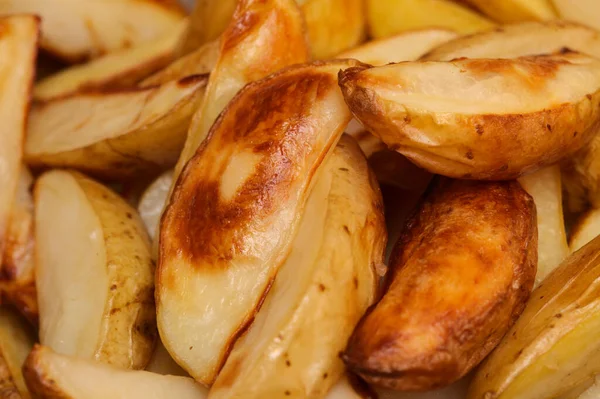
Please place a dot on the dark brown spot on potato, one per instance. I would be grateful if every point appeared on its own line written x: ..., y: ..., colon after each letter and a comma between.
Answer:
x: 322, y: 287
x: 469, y: 155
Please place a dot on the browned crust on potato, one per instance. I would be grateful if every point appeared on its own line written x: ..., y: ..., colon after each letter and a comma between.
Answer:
x: 8, y: 389
x: 461, y: 274
x: 36, y: 378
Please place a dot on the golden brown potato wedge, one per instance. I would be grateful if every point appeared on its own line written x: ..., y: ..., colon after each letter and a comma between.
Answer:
x: 480, y: 118
x: 115, y: 135
x: 507, y: 11
x: 461, y: 274
x: 119, y: 69
x: 586, y: 228
x: 546, y: 189
x: 94, y: 273
x: 553, y: 347
x: 251, y: 178
x: 50, y: 375
x: 581, y: 177
x: 586, y: 12
x: 388, y: 17
x: 76, y: 30
x: 292, y: 347
x: 16, y: 340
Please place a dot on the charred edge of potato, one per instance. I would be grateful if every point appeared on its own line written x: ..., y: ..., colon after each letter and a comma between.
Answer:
x: 23, y: 296
x: 37, y: 383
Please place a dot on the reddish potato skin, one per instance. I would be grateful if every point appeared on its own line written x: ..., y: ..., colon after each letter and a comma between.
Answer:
x: 460, y: 275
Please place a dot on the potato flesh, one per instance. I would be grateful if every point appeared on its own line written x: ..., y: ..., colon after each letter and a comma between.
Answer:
x: 153, y: 202
x: 586, y: 229
x: 510, y: 11
x: 586, y: 12
x: 16, y: 341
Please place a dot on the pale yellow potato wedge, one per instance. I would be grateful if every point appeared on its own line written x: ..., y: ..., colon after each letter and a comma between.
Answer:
x: 586, y: 228
x: 586, y: 12
x: 115, y: 135
x: 50, y: 375
x: 480, y: 118
x: 96, y: 299
x: 326, y: 284
x: 517, y: 40
x: 507, y: 11
x: 16, y: 340
x: 119, y: 69
x: 251, y: 178
x: 388, y: 17
x: 153, y: 202
x: 162, y: 363
x: 581, y: 178
x: 554, y: 345
x: 76, y: 30
x: 546, y: 189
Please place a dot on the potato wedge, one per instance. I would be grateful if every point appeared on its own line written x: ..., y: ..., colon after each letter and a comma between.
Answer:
x: 461, y: 274
x: 76, y: 30
x: 586, y: 12
x: 251, y: 178
x: 162, y: 363
x: 344, y: 389
x: 581, y: 178
x: 326, y: 284
x: 97, y: 298
x: 119, y: 69
x: 507, y: 11
x: 553, y: 347
x: 16, y: 340
x: 153, y: 202
x: 518, y: 40
x: 546, y: 189
x: 116, y: 135
x: 458, y: 390
x: 586, y: 228
x: 388, y: 17
x: 480, y: 119
x: 50, y: 375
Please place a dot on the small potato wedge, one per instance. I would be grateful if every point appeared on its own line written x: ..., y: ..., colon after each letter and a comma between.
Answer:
x: 50, y: 375
x: 116, y: 135
x: 586, y: 228
x: 119, y: 69
x: 546, y: 189
x: 76, y: 30
x: 586, y: 12
x: 461, y: 274
x: 16, y: 340
x: 250, y: 178
x: 326, y: 284
x: 389, y: 17
x: 94, y: 273
x: 480, y: 118
x: 554, y: 345
x: 508, y: 11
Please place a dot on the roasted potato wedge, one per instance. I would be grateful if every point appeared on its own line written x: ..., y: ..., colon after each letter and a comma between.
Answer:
x: 388, y: 17
x: 586, y: 228
x: 251, y: 178
x: 116, y: 135
x: 16, y: 340
x: 76, y: 30
x: 507, y: 11
x: 50, y: 375
x: 586, y: 12
x: 96, y: 299
x: 292, y: 347
x: 554, y: 345
x: 581, y: 177
x: 461, y: 274
x: 480, y: 118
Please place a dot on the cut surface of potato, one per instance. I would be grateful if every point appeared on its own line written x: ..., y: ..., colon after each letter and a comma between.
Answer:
x: 162, y: 363
x: 581, y: 177
x: 323, y: 288
x: 75, y: 30
x: 50, y: 375
x: 554, y: 345
x: 251, y: 178
x: 480, y: 118
x: 507, y: 11
x: 585, y: 230
x: 586, y: 12
x: 153, y: 202
x: 114, y: 135
x: 96, y: 298
x: 461, y: 274
x: 16, y: 340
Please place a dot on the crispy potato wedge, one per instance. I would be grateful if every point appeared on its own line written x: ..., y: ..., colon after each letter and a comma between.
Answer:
x: 16, y: 340
x: 581, y: 177
x: 251, y: 178
x: 162, y: 363
x: 553, y: 347
x: 321, y: 291
x: 389, y: 17
x: 76, y: 30
x: 586, y: 12
x: 50, y: 375
x: 518, y: 40
x: 153, y: 202
x: 507, y: 11
x: 546, y: 189
x: 480, y: 118
x: 116, y: 135
x: 461, y: 274
x: 586, y: 228
x: 97, y: 298
x: 119, y: 69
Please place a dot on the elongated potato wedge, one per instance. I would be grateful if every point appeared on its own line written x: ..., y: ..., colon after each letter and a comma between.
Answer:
x: 461, y: 275
x: 518, y: 40
x: 153, y: 202
x: 586, y: 12
x: 16, y: 340
x: 581, y: 177
x: 50, y: 375
x: 480, y: 119
x: 114, y: 135
x: 546, y: 189
x: 388, y: 17
x: 586, y: 228
x: 553, y: 347
x: 251, y: 178
x: 119, y: 69
x: 75, y: 30
x: 507, y: 11
x: 96, y: 299
x: 292, y: 347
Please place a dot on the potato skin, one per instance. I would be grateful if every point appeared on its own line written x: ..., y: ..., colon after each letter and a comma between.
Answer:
x: 461, y: 274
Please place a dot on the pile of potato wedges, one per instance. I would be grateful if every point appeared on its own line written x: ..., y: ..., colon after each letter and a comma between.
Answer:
x: 320, y: 199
